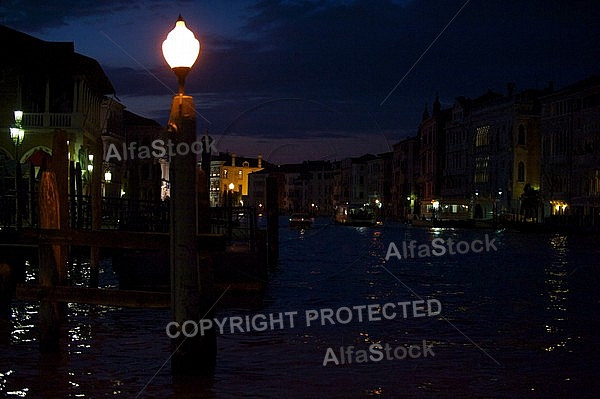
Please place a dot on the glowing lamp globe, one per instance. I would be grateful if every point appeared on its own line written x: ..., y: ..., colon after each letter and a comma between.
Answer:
x: 17, y: 134
x: 181, y: 49
x: 18, y: 117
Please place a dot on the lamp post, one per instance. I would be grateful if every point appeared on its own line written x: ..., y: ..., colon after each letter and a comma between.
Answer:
x: 231, y: 187
x: 498, y: 205
x: 435, y: 206
x: 107, y: 180
x: 474, y: 202
x: 189, y: 280
x: 230, y: 211
x: 90, y: 168
x: 17, y: 134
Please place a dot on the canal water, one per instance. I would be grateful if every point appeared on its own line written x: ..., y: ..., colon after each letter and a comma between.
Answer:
x: 520, y: 320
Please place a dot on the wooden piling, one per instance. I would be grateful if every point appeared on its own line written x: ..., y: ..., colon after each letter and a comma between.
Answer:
x: 30, y: 197
x: 79, y: 195
x: 12, y: 271
x: 60, y: 167
x: 272, y: 205
x: 96, y: 211
x: 6, y: 289
x: 73, y: 209
x: 193, y: 355
x: 203, y: 201
x: 49, y: 259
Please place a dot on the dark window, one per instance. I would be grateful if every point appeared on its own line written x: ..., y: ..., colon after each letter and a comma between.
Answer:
x: 521, y: 172
x: 521, y: 135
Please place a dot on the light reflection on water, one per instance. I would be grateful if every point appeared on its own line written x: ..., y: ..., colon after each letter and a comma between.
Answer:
x: 557, y: 285
x: 531, y: 305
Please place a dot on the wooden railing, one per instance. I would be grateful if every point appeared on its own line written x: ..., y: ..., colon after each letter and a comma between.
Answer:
x: 117, y: 213
x: 238, y: 224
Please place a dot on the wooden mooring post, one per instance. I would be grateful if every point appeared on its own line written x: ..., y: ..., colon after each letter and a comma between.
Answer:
x: 96, y: 195
x: 50, y: 264
x: 53, y: 207
x: 191, y: 355
x: 272, y: 205
x: 8, y: 281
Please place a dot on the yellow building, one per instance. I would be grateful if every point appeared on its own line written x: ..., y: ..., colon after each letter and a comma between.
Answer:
x: 229, y: 174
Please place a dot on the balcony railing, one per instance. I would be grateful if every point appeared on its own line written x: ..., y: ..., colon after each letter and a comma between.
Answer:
x: 51, y: 120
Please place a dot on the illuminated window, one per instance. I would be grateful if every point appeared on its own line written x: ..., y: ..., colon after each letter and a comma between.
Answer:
x: 481, y: 170
x: 240, y: 175
x: 225, y: 174
x: 483, y: 136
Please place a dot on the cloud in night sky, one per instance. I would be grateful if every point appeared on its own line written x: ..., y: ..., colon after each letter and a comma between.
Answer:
x: 307, y: 69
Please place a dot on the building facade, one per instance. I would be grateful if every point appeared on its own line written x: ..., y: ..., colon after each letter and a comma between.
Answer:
x: 457, y: 182
x: 504, y: 136
x: 431, y: 136
x: 404, y: 175
x: 56, y: 89
x: 570, y: 159
x: 229, y: 176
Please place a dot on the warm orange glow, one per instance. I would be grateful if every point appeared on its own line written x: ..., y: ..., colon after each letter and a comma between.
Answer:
x: 181, y: 48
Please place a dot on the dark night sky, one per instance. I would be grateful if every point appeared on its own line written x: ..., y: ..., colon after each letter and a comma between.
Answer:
x: 301, y: 80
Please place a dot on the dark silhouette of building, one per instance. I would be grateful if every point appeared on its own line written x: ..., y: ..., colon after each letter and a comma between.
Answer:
x: 570, y: 155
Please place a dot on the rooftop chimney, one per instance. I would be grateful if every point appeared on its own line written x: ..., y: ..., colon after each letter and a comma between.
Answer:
x: 260, y: 160
x: 233, y: 159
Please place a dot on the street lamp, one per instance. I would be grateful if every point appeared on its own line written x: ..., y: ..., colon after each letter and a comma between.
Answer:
x: 181, y: 50
x: 499, y: 203
x: 107, y: 180
x: 17, y: 134
x: 435, y: 205
x: 18, y: 117
x: 231, y: 187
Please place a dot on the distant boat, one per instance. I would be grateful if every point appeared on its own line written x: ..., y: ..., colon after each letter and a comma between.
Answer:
x: 355, y: 215
x: 301, y: 221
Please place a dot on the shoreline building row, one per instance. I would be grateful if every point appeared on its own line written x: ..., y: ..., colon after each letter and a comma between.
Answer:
x: 471, y: 160
x: 532, y: 154
x: 527, y: 155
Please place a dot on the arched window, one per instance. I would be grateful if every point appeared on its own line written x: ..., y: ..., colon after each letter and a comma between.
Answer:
x: 521, y: 135
x: 521, y: 172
